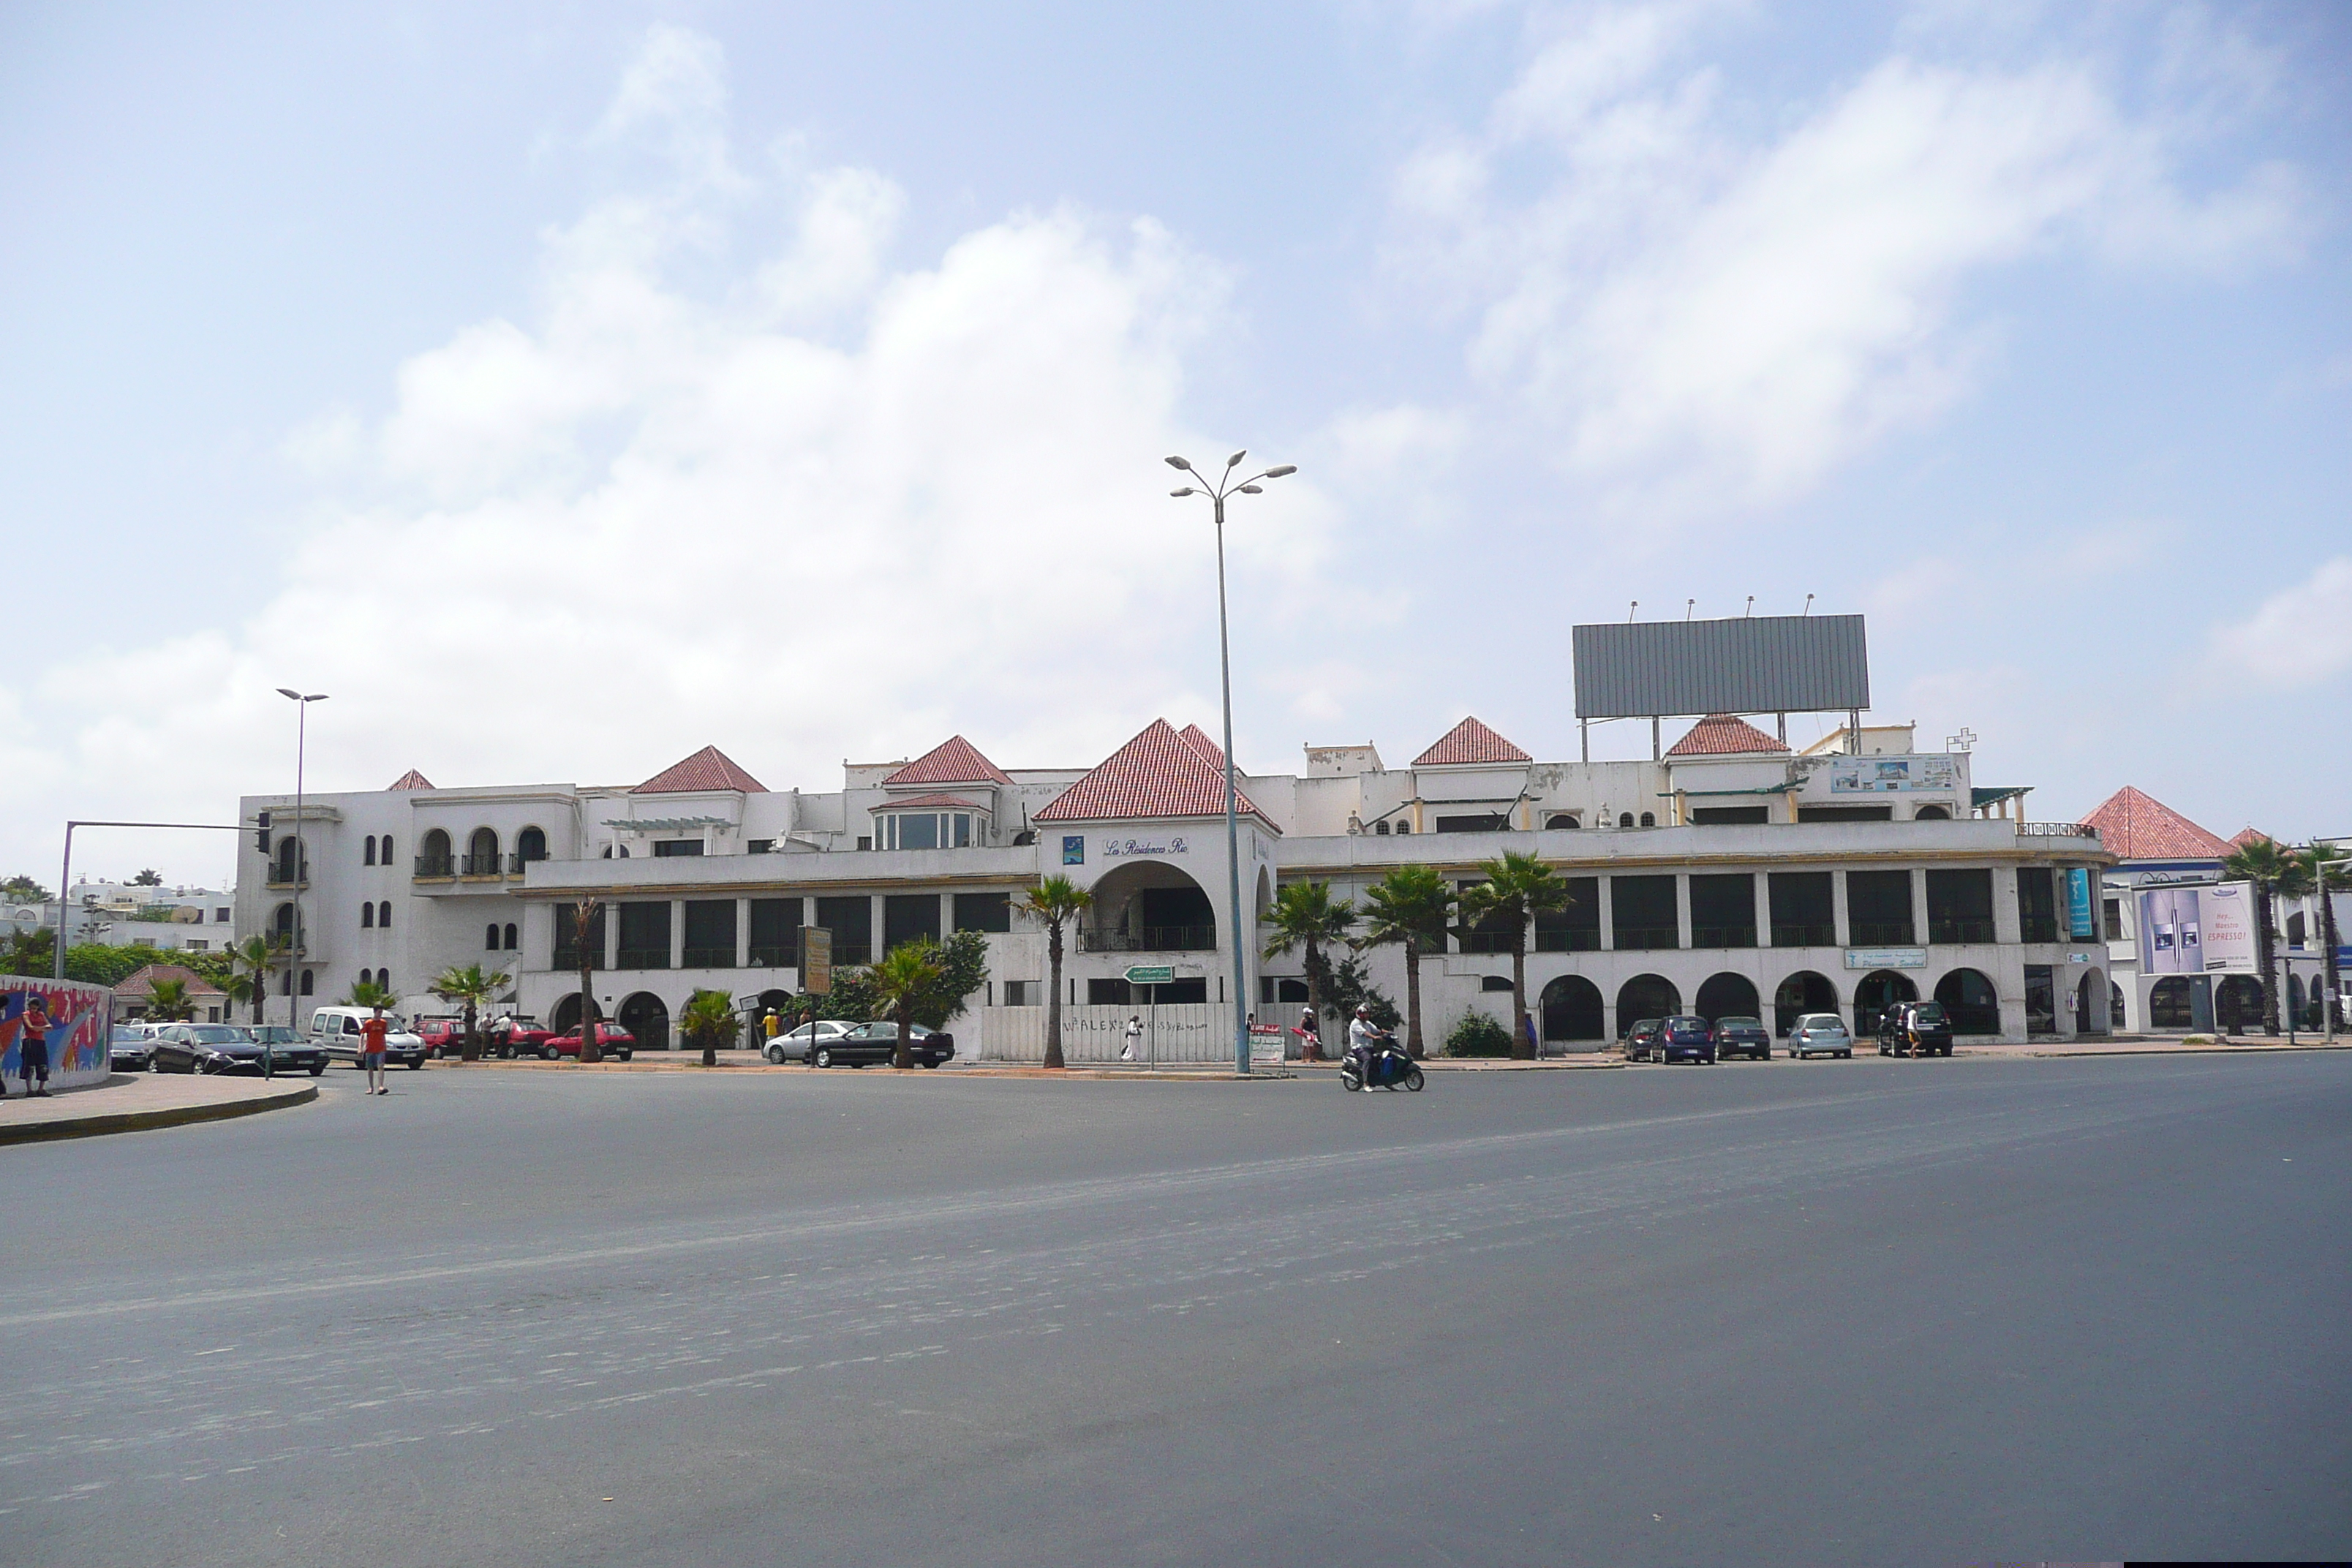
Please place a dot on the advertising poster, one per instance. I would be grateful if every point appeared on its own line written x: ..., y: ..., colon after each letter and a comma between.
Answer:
x: 72, y: 1022
x: 2081, y: 924
x: 2229, y: 913
x: 1878, y: 775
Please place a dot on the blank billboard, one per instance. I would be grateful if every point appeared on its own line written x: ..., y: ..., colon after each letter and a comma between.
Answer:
x: 1763, y: 664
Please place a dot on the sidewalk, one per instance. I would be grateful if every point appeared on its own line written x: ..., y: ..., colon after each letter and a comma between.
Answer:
x: 134, y: 1102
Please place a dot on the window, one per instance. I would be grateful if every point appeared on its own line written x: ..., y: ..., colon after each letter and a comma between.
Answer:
x: 2113, y: 910
x: 1017, y: 994
x: 909, y: 917
x: 710, y: 933
x: 925, y: 830
x: 644, y: 936
x: 1562, y: 819
x: 199, y: 946
x: 387, y: 849
x: 1934, y: 814
x: 482, y: 853
x: 984, y: 911
x: 1382, y: 827
x: 1575, y: 926
x: 1106, y: 993
x: 1959, y: 906
x: 1723, y: 910
x: 370, y: 858
x: 776, y: 932
x: 566, y: 953
x: 1404, y: 828
x: 367, y: 917
x: 1494, y: 983
x: 670, y: 848
x: 2037, y: 905
x: 1803, y: 912
x: 1645, y: 912
x: 490, y: 936
x: 433, y: 855
x: 1484, y: 821
x: 289, y: 849
x: 306, y: 982
x: 510, y: 944
x: 760, y: 847
x: 220, y: 916
x: 2294, y: 929
x: 1649, y: 819
x: 866, y: 841
x: 531, y: 844
x: 851, y: 920
x: 383, y: 914
x: 1878, y: 909
x: 1624, y: 819
x: 1845, y: 813
x: 1730, y: 815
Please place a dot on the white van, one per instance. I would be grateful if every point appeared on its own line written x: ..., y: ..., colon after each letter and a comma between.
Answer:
x: 338, y: 1030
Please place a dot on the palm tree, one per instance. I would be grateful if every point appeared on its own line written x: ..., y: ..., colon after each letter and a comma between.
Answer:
x: 1056, y: 900
x: 2323, y: 864
x: 902, y: 982
x: 588, y: 953
x: 1517, y: 888
x: 1303, y: 915
x: 708, y: 1017
x: 2272, y: 872
x: 168, y: 1000
x: 369, y: 994
x: 249, y: 979
x: 1409, y: 906
x: 468, y: 987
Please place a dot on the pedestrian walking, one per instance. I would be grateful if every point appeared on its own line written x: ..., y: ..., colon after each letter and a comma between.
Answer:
x: 33, y: 1047
x: 1310, y: 1035
x: 371, y: 1034
x: 1133, y: 1038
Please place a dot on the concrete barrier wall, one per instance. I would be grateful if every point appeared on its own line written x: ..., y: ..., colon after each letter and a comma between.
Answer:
x: 74, y: 1020
x: 1196, y: 1032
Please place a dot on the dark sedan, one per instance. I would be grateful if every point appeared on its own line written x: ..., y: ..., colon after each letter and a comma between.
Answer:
x: 129, y: 1050
x: 223, y: 1048
x: 1915, y: 1029
x: 1741, y: 1036
x: 1642, y: 1039
x: 1687, y: 1038
x: 878, y: 1042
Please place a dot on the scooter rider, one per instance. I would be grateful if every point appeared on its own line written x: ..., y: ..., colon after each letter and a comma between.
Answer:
x: 1364, y: 1039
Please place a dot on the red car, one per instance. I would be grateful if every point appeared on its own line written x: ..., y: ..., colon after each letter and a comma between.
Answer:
x: 442, y: 1036
x: 516, y: 1035
x: 611, y: 1039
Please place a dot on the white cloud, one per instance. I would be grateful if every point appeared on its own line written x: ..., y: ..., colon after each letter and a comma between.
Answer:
x: 1687, y: 305
x: 2299, y: 636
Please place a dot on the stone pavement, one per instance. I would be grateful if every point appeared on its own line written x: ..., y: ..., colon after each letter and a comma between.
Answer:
x: 134, y: 1102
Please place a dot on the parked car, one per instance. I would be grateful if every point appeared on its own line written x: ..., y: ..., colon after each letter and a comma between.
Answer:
x: 1915, y: 1029
x: 1642, y: 1039
x: 337, y: 1030
x: 1736, y: 1036
x: 794, y: 1044
x: 1820, y: 1035
x: 129, y: 1048
x: 225, y: 1048
x: 516, y: 1035
x: 1686, y: 1038
x: 442, y: 1036
x: 611, y: 1039
x: 878, y: 1042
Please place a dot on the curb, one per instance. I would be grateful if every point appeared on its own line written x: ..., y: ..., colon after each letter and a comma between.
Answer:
x: 147, y: 1120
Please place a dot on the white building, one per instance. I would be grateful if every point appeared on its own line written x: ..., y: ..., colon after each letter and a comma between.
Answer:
x: 130, y: 914
x: 1728, y: 876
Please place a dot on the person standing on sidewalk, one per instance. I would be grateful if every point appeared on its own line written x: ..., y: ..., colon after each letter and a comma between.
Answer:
x: 1133, y: 1036
x: 371, y: 1034
x: 33, y: 1047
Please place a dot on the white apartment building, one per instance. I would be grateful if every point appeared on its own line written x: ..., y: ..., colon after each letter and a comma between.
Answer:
x: 130, y: 914
x: 1731, y: 875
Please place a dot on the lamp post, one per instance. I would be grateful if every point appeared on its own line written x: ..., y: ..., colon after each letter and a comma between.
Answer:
x: 1217, y: 492
x: 301, y: 701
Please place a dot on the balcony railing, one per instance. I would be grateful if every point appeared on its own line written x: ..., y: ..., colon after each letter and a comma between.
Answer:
x: 643, y: 958
x: 515, y: 863
x: 1647, y: 939
x: 2056, y: 830
x: 567, y: 958
x: 483, y: 866
x: 1487, y: 942
x: 1154, y: 939
x: 709, y: 958
x: 434, y: 866
x: 786, y: 955
x: 1786, y: 935
x: 1723, y: 936
x: 1882, y: 934
x: 847, y: 954
x: 2033, y: 928
x: 1567, y: 938
x: 1959, y: 931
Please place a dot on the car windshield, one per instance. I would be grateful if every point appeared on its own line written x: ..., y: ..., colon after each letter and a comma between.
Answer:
x: 214, y: 1034
x: 129, y: 1038
x: 1821, y: 1021
x: 1735, y: 1023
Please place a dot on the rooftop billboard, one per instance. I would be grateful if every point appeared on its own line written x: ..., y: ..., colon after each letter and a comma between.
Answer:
x: 1759, y: 664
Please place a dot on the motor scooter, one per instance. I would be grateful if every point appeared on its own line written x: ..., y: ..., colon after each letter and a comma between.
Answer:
x: 1390, y: 1068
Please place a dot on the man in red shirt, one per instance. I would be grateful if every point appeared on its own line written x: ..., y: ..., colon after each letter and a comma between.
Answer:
x: 371, y: 1034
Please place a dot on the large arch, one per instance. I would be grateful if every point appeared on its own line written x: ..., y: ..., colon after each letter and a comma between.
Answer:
x: 290, y: 855
x: 1571, y: 1010
x: 2091, y: 1004
x: 2169, y: 1003
x: 433, y: 854
x: 1151, y: 906
x: 1970, y: 1001
x: 1801, y: 993
x: 565, y: 1015
x: 646, y: 1016
x: 482, y: 853
x: 531, y: 844
x: 1879, y: 990
x: 1726, y: 995
x: 2238, y: 1004
x: 1646, y: 996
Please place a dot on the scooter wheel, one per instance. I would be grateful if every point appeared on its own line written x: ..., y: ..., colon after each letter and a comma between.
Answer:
x: 1347, y: 1081
x: 1413, y: 1080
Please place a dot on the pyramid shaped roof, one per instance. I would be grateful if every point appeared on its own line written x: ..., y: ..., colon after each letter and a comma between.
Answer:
x: 1205, y: 746
x: 2246, y: 836
x: 1158, y: 774
x: 2138, y: 827
x: 1723, y: 735
x: 707, y: 770
x: 953, y: 760
x: 412, y: 779
x: 140, y: 982
x: 1470, y: 742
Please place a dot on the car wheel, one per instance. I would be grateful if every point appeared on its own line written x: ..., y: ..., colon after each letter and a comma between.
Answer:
x: 318, y: 1069
x: 823, y: 1057
x: 625, y: 1056
x: 931, y: 1061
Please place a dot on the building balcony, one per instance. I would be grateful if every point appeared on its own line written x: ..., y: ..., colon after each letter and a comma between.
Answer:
x: 1960, y: 932
x: 1792, y: 936
x: 643, y: 958
x: 1882, y: 934
x: 1648, y: 939
x: 708, y: 958
x: 1149, y: 939
x: 482, y: 866
x: 786, y: 956
x: 434, y: 869
x: 1723, y: 936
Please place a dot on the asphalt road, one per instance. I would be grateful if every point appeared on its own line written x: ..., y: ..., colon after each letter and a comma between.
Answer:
x: 1832, y: 1313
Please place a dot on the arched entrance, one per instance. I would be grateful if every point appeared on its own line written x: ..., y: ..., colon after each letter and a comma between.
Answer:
x: 2091, y: 1004
x: 2168, y: 1006
x: 780, y: 1002
x: 1571, y: 1010
x: 433, y: 854
x: 1970, y: 1002
x: 1646, y: 996
x: 1880, y: 989
x: 564, y: 1017
x: 482, y: 853
x: 1802, y: 993
x: 2238, y: 1004
x: 1726, y: 995
x: 1149, y: 906
x: 644, y: 1017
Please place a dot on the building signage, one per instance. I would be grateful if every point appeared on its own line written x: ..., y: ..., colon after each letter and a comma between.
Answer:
x: 1265, y: 1044
x: 2192, y: 931
x: 2082, y: 925
x: 817, y: 960
x: 1073, y: 849
x: 2229, y: 929
x: 1876, y: 775
x: 1116, y: 847
x: 1887, y: 958
x: 1150, y: 973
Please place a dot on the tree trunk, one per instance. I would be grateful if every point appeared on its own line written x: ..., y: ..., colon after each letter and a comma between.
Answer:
x: 260, y: 996
x: 2335, y: 982
x: 1312, y: 1050
x: 588, y: 1049
x: 2267, y: 951
x: 1521, y: 1049
x: 1412, y: 1047
x: 1053, y: 996
x: 472, y: 1050
x: 900, y: 1058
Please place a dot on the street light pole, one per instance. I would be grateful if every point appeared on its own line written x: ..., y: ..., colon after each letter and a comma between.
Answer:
x: 1217, y: 493
x: 302, y: 864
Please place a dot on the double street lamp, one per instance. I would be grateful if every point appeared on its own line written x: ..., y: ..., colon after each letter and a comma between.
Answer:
x: 1225, y: 485
x: 294, y: 946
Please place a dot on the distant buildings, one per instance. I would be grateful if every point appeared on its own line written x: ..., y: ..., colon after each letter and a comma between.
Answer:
x: 126, y: 915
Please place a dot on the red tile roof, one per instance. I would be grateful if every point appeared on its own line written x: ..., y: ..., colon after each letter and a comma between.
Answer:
x: 953, y: 760
x: 1470, y: 742
x: 707, y: 770
x: 1205, y: 746
x: 929, y: 800
x: 1722, y: 735
x: 1158, y: 774
x: 412, y: 779
x: 2137, y: 827
x: 2251, y: 835
x: 142, y: 981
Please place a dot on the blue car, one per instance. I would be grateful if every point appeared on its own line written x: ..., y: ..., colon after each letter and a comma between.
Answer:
x: 1686, y: 1038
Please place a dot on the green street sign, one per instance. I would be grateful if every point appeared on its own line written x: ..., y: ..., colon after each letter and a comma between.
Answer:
x: 1150, y: 973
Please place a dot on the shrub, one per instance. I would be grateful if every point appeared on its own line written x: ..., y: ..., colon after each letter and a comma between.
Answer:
x: 1476, y: 1035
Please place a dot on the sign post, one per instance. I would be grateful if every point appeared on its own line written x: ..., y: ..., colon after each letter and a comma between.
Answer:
x: 1153, y: 975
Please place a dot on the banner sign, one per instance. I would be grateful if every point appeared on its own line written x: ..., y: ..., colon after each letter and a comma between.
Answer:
x: 1150, y: 973
x: 1887, y: 958
x: 817, y: 960
x: 2081, y: 922
x: 1877, y: 776
x: 2194, y: 931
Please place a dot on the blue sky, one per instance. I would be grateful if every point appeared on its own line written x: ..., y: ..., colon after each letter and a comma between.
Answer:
x: 563, y: 388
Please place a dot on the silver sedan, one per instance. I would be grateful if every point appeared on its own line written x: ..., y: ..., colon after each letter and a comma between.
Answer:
x: 1820, y: 1035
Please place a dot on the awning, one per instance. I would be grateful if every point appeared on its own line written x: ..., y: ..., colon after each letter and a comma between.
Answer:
x: 1979, y: 797
x: 669, y: 824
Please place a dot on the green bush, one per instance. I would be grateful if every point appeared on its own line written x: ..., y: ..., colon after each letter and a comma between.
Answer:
x: 1476, y: 1035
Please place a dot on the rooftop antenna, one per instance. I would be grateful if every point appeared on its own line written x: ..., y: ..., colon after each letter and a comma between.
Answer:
x: 1809, y: 604
x: 1751, y: 607
x: 1630, y: 609
x: 1689, y: 605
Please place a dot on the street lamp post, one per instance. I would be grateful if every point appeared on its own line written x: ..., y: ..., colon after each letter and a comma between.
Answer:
x: 301, y: 701
x: 1217, y: 492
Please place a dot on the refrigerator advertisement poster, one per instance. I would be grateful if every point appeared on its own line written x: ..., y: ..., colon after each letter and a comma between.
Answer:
x: 2197, y: 931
